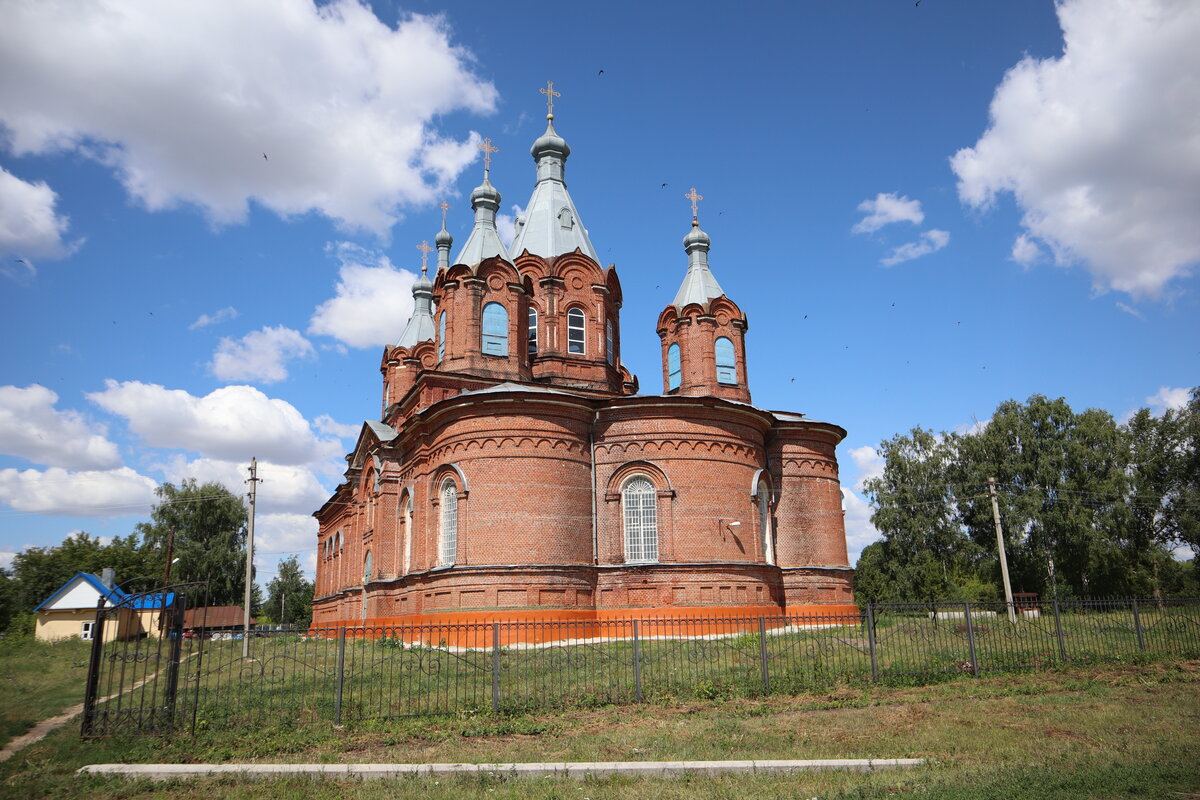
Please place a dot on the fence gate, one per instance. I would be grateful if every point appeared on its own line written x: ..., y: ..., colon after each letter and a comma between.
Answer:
x: 138, y: 649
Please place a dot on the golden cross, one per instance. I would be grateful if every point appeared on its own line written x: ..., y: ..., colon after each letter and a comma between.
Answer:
x: 488, y: 148
x: 695, y: 198
x: 550, y: 95
x: 425, y: 251
x: 444, y: 206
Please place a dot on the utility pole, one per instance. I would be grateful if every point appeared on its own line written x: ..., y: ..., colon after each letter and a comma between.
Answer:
x: 162, y: 607
x: 249, y: 559
x: 1008, y: 599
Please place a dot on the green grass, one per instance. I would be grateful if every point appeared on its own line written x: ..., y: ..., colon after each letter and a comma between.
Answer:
x: 1121, y: 731
x: 38, y: 680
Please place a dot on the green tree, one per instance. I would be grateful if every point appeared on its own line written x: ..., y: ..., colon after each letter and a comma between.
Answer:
x: 289, y: 595
x: 1182, y: 505
x: 210, y: 537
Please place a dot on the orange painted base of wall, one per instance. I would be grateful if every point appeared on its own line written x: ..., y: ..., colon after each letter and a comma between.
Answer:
x: 534, y: 625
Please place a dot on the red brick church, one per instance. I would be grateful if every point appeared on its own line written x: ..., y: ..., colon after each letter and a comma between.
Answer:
x: 517, y: 473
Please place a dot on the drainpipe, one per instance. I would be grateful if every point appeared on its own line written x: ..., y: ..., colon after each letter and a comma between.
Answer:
x: 595, y: 531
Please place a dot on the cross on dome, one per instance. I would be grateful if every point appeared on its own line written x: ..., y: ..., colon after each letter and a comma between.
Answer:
x: 444, y: 206
x: 425, y: 251
x: 550, y: 95
x: 695, y: 198
x: 488, y: 148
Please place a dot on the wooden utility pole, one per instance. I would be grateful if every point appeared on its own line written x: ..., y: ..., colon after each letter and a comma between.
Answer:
x: 249, y: 559
x: 1008, y: 599
x: 162, y: 606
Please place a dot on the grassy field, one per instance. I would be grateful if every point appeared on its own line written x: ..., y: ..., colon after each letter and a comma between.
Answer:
x: 38, y: 680
x: 1126, y: 731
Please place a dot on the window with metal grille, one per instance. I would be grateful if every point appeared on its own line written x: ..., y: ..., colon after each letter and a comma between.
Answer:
x: 532, y: 331
x: 764, y: 522
x: 448, y: 528
x: 726, y: 361
x: 441, y: 336
x: 639, y: 503
x: 495, y: 330
x: 673, y: 370
x: 575, y: 331
x: 608, y: 343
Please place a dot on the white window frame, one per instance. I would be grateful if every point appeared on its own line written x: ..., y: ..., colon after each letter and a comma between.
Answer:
x: 533, y: 331
x: 494, y: 344
x: 730, y: 377
x: 674, y: 368
x: 448, y: 524
x: 574, y: 341
x: 639, y: 519
x: 85, y: 631
x: 609, y: 351
x: 764, y: 522
x: 441, y: 336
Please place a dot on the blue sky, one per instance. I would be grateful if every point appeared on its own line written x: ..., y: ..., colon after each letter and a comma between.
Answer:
x: 209, y: 215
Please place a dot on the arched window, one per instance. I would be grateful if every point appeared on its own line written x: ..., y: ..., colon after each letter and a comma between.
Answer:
x: 673, y: 369
x: 406, y: 519
x: 448, y: 525
x: 764, y: 522
x: 639, y: 505
x: 608, y: 343
x: 387, y: 395
x: 532, y: 331
x: 495, y: 330
x: 575, y: 331
x: 726, y: 361
x: 337, y: 542
x: 367, y: 567
x: 441, y: 336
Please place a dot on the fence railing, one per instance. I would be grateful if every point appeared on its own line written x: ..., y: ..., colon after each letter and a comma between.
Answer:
x: 353, y: 674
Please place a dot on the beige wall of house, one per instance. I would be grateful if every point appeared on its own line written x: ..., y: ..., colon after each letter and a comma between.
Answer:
x: 55, y: 625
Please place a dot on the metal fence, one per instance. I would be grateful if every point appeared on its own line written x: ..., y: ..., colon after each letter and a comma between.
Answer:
x: 349, y: 675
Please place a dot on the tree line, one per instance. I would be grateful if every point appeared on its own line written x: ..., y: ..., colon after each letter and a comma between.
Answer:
x: 208, y: 544
x: 1090, y: 507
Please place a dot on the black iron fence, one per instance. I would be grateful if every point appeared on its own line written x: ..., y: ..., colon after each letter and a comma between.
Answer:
x: 353, y: 674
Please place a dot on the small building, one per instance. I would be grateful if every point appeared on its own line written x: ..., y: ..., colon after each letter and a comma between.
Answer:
x: 71, y: 610
x: 214, y: 621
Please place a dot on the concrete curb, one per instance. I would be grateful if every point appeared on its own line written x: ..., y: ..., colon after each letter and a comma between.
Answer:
x: 560, y: 769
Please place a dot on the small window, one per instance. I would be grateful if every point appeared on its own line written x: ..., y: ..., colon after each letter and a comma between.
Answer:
x: 86, y: 632
x: 639, y: 504
x: 673, y: 367
x: 495, y: 330
x: 532, y: 331
x: 565, y: 220
x: 448, y: 527
x: 726, y: 361
x: 575, y: 331
x: 608, y: 343
x: 441, y: 336
x: 387, y: 395
x: 367, y: 567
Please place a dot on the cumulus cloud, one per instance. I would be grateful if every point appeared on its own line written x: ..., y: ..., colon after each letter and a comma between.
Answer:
x: 930, y: 242
x: 32, y: 428
x: 6, y: 560
x: 260, y: 355
x: 285, y: 488
x: 230, y: 423
x: 373, y: 300
x: 204, y: 320
x: 886, y: 209
x: 1168, y: 399
x: 30, y: 228
x: 1025, y: 251
x: 859, y: 530
x: 327, y: 424
x: 296, y: 106
x: 278, y: 536
x: 506, y: 224
x: 869, y: 463
x: 1098, y: 146
x: 92, y: 493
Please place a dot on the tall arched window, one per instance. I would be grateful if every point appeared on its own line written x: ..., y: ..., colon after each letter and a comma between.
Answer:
x: 448, y: 524
x: 639, y: 505
x: 673, y: 369
x: 367, y: 567
x: 532, y: 331
x: 406, y: 520
x: 764, y: 522
x: 726, y: 361
x: 441, y: 336
x: 609, y: 353
x: 495, y: 330
x: 576, y: 335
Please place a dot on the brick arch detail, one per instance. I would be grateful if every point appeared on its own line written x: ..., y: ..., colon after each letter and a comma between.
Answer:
x: 662, y: 484
x: 451, y: 470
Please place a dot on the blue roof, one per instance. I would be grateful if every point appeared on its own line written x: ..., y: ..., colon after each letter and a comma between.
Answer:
x: 113, y: 595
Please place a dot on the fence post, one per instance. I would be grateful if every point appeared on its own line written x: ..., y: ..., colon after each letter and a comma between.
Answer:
x: 871, y: 641
x: 971, y: 640
x: 762, y: 651
x: 340, y: 677
x: 496, y: 667
x: 93, y: 676
x: 1062, y: 647
x: 1137, y: 625
x: 637, y: 664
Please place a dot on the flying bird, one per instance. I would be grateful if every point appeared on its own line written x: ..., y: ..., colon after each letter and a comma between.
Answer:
x: 664, y: 186
x: 265, y: 157
x: 601, y: 72
x: 22, y: 261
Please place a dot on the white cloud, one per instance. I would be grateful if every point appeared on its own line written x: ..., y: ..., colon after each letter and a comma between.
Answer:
x: 232, y: 423
x: 506, y: 225
x: 1025, y: 251
x: 327, y: 424
x: 6, y: 560
x: 279, y: 535
x: 204, y: 320
x: 859, y: 530
x: 1128, y: 309
x: 930, y: 242
x: 284, y: 488
x: 343, y: 106
x: 30, y: 228
x: 30, y: 427
x: 971, y: 428
x: 869, y: 463
x: 1098, y: 146
x: 91, y: 493
x: 260, y: 355
x: 373, y: 300
x: 1168, y: 398
x: 886, y: 209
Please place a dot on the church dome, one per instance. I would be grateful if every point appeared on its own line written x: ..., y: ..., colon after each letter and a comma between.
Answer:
x: 696, y: 238
x: 550, y: 143
x: 485, y: 194
x: 444, y: 238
